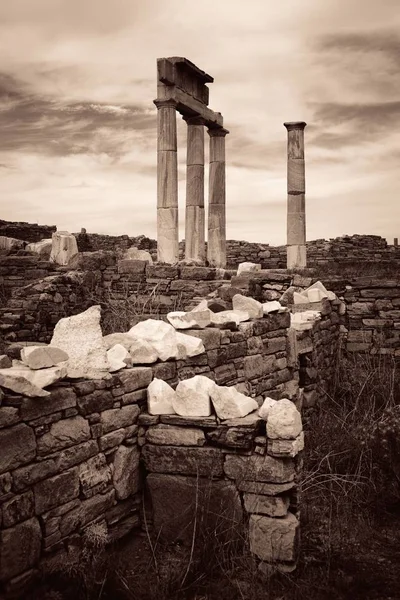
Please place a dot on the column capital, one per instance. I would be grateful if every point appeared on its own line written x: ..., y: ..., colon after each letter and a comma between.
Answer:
x: 196, y: 120
x: 293, y: 125
x: 165, y: 103
x: 217, y: 132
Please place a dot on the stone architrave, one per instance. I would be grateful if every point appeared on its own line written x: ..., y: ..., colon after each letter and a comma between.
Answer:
x: 296, y: 211
x: 64, y: 247
x: 195, y: 218
x: 167, y: 182
x: 216, y: 246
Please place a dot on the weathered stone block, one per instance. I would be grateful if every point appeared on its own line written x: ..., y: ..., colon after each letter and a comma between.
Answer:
x: 119, y: 417
x: 274, y: 540
x: 94, y: 474
x: 188, y: 421
x: 55, y: 491
x: 273, y: 506
x: 259, y: 468
x: 210, y: 337
x: 114, y: 438
x: 95, y: 402
x: 136, y: 378
x: 131, y: 266
x: 168, y: 435
x: 254, y: 366
x: 126, y: 472
x: 18, y: 509
x: 60, y: 398
x: 63, y: 434
x: 181, y: 504
x: 232, y: 437
x: 165, y: 371
x: 20, y: 548
x: 9, y: 415
x: 206, y: 462
x: 18, y: 446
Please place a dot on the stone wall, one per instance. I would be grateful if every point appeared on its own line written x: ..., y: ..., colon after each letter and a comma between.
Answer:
x: 16, y: 271
x: 30, y: 232
x: 72, y: 459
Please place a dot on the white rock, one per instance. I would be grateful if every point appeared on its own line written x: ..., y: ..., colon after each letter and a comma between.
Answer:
x: 230, y: 404
x: 318, y: 285
x: 80, y: 336
x: 40, y: 378
x: 263, y: 411
x: 188, y: 346
x: 40, y: 357
x: 162, y: 337
x: 248, y: 266
x: 160, y: 398
x: 249, y: 305
x: 43, y: 248
x: 124, y: 339
x: 118, y: 357
x: 192, y: 397
x: 11, y: 379
x: 9, y: 243
x: 196, y: 319
x: 134, y: 253
x: 228, y: 316
x: 203, y: 305
x: 300, y: 298
x: 315, y: 295
x: 284, y: 421
x: 331, y: 296
x: 273, y: 306
x: 64, y: 247
x: 142, y: 353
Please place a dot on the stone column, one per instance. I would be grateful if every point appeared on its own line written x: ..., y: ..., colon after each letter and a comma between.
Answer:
x: 396, y: 242
x: 167, y: 183
x: 296, y: 210
x: 216, y: 246
x: 195, y: 219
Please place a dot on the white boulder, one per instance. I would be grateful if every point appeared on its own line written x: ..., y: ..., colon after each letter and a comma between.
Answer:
x: 318, y: 285
x: 9, y: 243
x: 196, y: 319
x: 192, y: 397
x: 43, y: 248
x: 248, y: 266
x: 63, y: 248
x: 12, y: 379
x: 188, y: 346
x: 230, y: 404
x: 229, y: 316
x: 249, y: 305
x: 263, y: 411
x: 41, y: 357
x: 134, y: 253
x: 160, y: 398
x: 161, y: 336
x: 315, y: 295
x: 80, y: 336
x: 300, y: 298
x: 118, y: 357
x: 283, y: 421
x: 273, y: 306
x: 142, y: 353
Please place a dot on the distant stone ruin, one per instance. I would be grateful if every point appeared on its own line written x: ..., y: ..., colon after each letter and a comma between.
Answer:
x: 181, y: 86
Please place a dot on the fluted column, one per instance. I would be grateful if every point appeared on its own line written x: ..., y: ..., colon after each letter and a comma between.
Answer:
x: 296, y: 209
x: 195, y: 219
x: 216, y: 244
x: 167, y: 183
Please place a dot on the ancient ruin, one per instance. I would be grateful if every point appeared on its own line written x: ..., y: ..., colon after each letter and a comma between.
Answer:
x: 181, y: 86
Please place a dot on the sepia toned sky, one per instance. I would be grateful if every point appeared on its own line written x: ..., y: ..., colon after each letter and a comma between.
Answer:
x: 78, y: 124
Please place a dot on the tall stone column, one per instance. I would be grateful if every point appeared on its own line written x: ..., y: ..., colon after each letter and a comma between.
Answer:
x: 296, y: 209
x: 216, y: 246
x: 167, y: 183
x: 195, y: 219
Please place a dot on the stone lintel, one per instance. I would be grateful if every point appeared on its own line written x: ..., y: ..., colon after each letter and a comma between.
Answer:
x: 166, y: 70
x: 189, y: 106
x: 292, y: 125
x: 217, y: 132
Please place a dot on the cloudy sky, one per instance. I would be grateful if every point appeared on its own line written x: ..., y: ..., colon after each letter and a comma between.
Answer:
x: 78, y: 125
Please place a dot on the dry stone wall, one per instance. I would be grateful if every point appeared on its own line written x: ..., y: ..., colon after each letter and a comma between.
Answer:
x: 17, y: 271
x: 30, y: 232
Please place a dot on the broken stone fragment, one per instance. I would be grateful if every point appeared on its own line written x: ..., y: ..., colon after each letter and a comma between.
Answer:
x: 40, y: 377
x: 197, y: 319
x: 170, y: 435
x: 192, y: 397
x: 80, y: 336
x: 64, y: 247
x: 43, y: 248
x: 273, y: 306
x: 273, y: 506
x: 230, y: 404
x: 161, y: 336
x: 160, y: 398
x: 274, y: 540
x: 124, y: 339
x: 142, y: 353
x: 12, y: 379
x: 248, y: 266
x: 188, y: 346
x: 318, y: 285
x: 229, y: 316
x: 249, y: 305
x: 283, y: 421
x: 315, y: 295
x: 118, y: 357
x: 134, y: 253
x: 41, y: 357
x: 266, y: 407
x: 300, y: 298
x: 284, y: 448
x: 5, y: 361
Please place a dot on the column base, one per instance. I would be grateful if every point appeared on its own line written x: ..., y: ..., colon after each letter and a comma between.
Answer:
x: 296, y: 256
